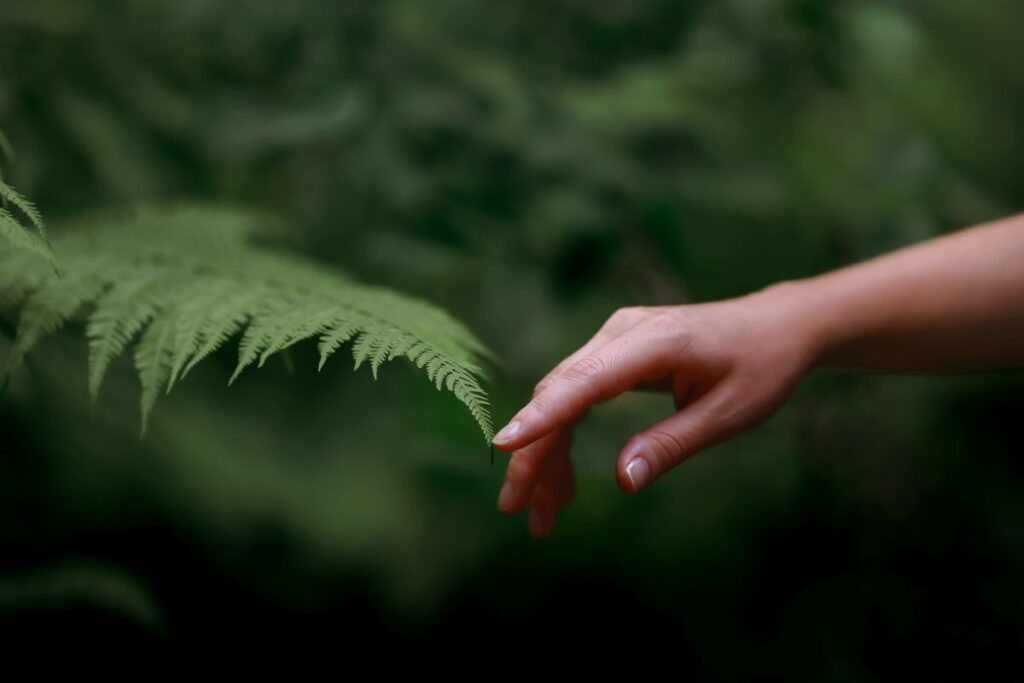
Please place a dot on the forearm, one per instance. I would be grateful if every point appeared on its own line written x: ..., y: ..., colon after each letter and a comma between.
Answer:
x: 952, y: 304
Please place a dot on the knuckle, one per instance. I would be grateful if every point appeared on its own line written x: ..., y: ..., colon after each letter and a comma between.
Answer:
x: 627, y: 315
x: 542, y: 405
x: 735, y: 417
x: 670, y: 327
x: 662, y: 322
x: 619, y: 315
x: 667, y: 448
x: 585, y: 369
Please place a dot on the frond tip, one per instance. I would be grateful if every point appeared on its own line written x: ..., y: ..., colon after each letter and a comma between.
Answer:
x: 179, y: 283
x: 12, y: 229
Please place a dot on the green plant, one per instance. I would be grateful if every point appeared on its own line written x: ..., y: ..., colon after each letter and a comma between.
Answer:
x: 13, y: 229
x: 184, y: 280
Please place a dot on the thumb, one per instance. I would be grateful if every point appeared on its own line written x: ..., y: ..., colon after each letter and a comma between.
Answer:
x: 662, y: 446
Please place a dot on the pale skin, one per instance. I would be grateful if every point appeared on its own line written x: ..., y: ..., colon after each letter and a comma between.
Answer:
x: 953, y: 304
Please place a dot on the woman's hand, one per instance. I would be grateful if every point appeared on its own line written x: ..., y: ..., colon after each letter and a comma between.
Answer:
x: 729, y: 366
x: 952, y: 304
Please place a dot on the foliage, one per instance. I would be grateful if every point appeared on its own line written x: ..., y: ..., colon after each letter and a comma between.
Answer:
x: 186, y: 279
x: 11, y: 228
x: 532, y: 167
x: 63, y: 587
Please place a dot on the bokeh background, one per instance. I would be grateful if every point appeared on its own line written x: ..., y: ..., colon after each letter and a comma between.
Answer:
x: 530, y: 166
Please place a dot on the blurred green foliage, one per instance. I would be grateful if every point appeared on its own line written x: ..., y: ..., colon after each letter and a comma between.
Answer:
x: 532, y: 166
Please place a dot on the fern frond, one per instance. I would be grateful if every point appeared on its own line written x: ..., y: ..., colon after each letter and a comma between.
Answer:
x: 121, y: 313
x: 11, y: 196
x: 220, y: 323
x: 206, y: 321
x: 153, y: 358
x: 6, y: 149
x: 55, y: 300
x: 21, y: 273
x: 342, y: 331
x: 11, y: 228
x: 185, y: 280
x: 16, y: 234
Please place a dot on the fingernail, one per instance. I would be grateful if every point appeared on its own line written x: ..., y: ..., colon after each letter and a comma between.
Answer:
x: 506, y: 496
x: 508, y: 433
x: 639, y: 473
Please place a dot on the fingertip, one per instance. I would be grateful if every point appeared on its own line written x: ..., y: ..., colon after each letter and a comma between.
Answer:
x: 638, y: 473
x: 634, y: 472
x: 528, y: 427
x: 542, y: 522
x: 517, y: 491
x: 623, y: 481
x: 506, y: 437
x: 534, y: 523
x: 507, y: 498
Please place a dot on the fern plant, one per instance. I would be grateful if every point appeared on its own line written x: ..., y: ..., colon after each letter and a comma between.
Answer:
x: 177, y: 283
x: 13, y: 229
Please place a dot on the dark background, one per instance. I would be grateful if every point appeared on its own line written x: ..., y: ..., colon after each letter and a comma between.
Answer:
x: 530, y: 166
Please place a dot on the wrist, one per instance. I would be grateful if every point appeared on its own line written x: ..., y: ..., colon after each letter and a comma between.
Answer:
x: 798, y: 308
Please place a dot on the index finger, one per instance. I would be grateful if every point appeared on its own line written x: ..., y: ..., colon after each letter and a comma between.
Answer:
x: 631, y: 359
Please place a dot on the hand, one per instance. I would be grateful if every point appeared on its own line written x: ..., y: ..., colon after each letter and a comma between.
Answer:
x: 729, y: 366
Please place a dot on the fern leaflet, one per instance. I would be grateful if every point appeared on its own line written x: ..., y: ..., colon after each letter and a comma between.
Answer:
x: 12, y: 229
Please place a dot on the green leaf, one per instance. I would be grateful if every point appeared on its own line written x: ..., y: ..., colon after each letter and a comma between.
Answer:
x: 185, y: 280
